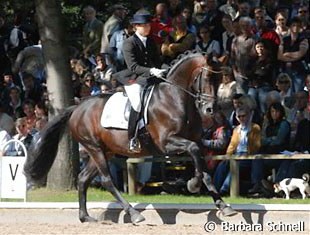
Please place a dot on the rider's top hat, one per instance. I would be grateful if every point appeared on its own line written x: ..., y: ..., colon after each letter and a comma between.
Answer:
x: 141, y: 18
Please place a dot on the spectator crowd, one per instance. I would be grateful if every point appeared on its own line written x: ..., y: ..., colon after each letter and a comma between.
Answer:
x: 262, y: 93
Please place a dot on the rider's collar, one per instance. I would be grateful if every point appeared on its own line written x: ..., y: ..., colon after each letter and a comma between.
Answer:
x: 142, y: 38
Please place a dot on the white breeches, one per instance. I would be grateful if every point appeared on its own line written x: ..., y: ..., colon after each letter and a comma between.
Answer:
x: 133, y: 92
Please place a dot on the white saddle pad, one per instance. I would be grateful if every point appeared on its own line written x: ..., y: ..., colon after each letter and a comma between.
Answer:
x: 113, y: 114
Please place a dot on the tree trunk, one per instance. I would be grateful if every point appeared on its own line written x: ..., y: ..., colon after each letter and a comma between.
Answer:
x: 63, y: 174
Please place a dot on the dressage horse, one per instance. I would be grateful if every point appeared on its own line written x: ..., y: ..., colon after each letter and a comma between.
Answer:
x: 174, y: 124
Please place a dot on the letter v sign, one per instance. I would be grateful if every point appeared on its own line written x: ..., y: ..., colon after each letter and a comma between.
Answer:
x: 11, y: 170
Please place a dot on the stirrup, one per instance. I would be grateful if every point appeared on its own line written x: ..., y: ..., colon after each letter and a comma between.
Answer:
x: 134, y: 145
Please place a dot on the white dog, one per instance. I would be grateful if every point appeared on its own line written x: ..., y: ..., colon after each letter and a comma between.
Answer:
x: 290, y: 184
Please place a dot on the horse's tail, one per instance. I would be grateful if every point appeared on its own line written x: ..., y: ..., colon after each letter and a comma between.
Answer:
x: 43, y: 153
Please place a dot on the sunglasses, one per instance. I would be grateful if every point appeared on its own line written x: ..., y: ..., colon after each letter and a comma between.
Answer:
x: 241, y: 116
x: 303, y: 11
x: 281, y: 19
x: 283, y: 82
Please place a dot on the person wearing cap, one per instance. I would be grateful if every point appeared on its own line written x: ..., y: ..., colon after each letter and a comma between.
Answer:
x: 142, y: 59
x: 113, y: 24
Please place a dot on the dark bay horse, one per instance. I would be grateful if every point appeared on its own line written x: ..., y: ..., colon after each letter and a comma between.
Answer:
x: 174, y: 126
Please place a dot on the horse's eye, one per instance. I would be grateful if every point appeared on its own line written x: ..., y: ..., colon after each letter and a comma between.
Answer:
x: 209, y: 110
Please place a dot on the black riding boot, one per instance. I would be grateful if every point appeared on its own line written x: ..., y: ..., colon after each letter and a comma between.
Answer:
x: 134, y: 143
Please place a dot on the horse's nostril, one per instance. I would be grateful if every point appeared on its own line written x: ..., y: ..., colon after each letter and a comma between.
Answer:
x: 209, y: 110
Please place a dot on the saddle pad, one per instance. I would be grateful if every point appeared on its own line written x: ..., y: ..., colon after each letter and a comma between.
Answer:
x: 113, y: 112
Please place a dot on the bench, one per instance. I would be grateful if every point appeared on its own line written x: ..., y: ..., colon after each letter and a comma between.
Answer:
x: 234, y: 166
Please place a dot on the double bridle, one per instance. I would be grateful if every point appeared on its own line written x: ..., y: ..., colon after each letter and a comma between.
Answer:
x: 200, y: 97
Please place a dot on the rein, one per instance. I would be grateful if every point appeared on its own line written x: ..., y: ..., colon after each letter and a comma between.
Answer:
x: 198, y: 96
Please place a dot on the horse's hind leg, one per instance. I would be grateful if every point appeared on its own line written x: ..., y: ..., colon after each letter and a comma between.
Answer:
x: 85, y: 178
x: 102, y: 166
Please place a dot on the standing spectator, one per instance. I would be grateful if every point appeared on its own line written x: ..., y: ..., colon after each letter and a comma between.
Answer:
x: 303, y: 14
x: 17, y: 38
x: 281, y: 24
x: 30, y: 60
x: 207, y: 44
x: 264, y: 32
x: 161, y: 24
x: 116, y: 44
x: 33, y: 89
x: 113, y: 24
x: 92, y: 32
x: 226, y: 91
x: 228, y: 35
x: 262, y: 75
x: 187, y: 13
x: 178, y: 41
x: 242, y: 54
x: 292, y: 53
x: 229, y: 8
x: 243, y: 9
x: 200, y: 14
x: 4, y: 35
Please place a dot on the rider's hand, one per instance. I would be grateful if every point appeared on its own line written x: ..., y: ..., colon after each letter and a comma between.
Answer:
x: 157, y: 72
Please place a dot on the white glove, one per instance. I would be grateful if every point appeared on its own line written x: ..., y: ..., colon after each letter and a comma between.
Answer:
x: 157, y: 72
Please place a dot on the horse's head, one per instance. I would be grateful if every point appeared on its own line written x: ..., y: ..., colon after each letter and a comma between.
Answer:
x: 196, y: 73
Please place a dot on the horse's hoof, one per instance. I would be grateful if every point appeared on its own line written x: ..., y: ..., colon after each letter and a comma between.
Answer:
x: 137, y: 218
x: 193, y: 186
x: 88, y: 219
x: 228, y: 211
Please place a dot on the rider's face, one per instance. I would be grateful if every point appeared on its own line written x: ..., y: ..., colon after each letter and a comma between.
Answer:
x: 143, y: 29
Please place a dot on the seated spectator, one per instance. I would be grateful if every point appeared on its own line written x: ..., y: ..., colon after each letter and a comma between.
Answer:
x: 102, y: 70
x: 246, y: 139
x: 207, y: 44
x: 284, y: 85
x: 4, y: 138
x: 228, y: 35
x: 275, y: 139
x: 226, y: 92
x: 89, y: 86
x: 14, y: 106
x: 30, y: 117
x: 9, y: 81
x: 298, y: 112
x: 178, y: 41
x: 6, y: 121
x: 216, y: 135
x: 22, y: 135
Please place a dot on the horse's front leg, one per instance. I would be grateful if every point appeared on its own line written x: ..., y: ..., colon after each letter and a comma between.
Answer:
x: 177, y: 144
